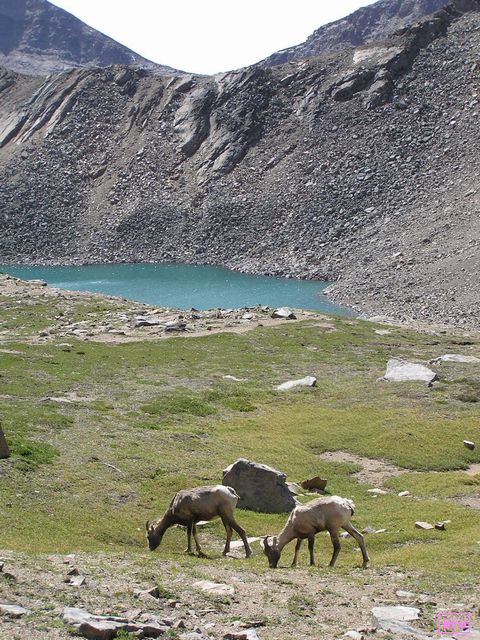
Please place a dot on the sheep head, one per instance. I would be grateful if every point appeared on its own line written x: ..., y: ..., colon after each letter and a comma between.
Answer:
x: 153, y: 536
x: 270, y: 549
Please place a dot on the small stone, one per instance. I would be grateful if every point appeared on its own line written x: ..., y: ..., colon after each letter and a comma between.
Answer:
x: 214, y: 588
x: 12, y: 610
x: 76, y: 581
x: 456, y: 357
x: 404, y: 494
x: 440, y: 525
x: 354, y: 635
x: 469, y: 444
x: 423, y: 525
x: 405, y: 595
x: 247, y: 634
x: 378, y: 492
x: 147, y: 594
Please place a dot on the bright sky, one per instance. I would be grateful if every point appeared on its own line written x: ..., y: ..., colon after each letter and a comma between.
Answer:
x: 207, y: 36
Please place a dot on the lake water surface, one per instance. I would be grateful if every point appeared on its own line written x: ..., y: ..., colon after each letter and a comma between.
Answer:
x: 184, y: 286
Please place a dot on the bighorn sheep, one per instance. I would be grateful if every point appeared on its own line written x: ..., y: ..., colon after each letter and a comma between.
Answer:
x: 323, y: 514
x: 192, y: 505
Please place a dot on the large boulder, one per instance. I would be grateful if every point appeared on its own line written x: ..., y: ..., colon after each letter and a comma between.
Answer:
x: 401, y: 371
x: 261, y: 488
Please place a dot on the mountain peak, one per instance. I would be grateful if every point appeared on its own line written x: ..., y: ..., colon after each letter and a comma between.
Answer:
x: 39, y: 38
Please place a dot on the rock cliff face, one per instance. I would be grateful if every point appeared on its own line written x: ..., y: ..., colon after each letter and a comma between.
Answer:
x: 360, y: 167
x: 368, y: 24
x: 38, y: 38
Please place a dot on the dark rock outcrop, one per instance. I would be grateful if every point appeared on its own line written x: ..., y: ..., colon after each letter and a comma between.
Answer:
x: 360, y: 167
x: 39, y: 38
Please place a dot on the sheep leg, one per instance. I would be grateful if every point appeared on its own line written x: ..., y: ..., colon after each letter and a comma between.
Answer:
x: 336, y: 547
x: 361, y: 542
x: 297, y: 549
x: 241, y: 532
x: 228, y: 529
x: 311, y: 544
x: 189, y: 538
x: 197, y: 543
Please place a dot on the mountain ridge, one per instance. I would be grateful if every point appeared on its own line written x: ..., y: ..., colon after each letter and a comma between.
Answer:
x: 372, y: 22
x: 39, y: 38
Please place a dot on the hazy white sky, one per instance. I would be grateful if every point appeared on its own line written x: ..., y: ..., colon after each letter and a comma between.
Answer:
x: 206, y: 36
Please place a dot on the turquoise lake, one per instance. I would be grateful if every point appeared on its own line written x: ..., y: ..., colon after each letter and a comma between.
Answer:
x: 184, y: 286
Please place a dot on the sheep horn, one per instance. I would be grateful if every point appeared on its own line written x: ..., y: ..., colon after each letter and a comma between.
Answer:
x: 147, y: 525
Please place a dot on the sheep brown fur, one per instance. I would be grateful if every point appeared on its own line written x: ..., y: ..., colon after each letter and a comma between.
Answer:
x: 192, y: 505
x: 322, y: 514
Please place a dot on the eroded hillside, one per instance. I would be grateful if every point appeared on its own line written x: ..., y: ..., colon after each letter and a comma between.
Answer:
x: 359, y: 167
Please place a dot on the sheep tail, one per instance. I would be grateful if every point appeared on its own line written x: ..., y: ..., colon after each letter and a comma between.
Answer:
x: 350, y: 505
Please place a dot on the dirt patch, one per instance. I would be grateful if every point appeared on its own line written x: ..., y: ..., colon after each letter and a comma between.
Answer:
x: 373, y: 471
x: 473, y: 469
x: 471, y: 500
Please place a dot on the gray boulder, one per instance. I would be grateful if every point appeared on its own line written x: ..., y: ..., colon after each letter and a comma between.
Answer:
x: 401, y: 371
x: 261, y: 488
x: 4, y: 448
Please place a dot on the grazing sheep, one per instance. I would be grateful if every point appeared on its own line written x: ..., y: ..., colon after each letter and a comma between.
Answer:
x: 323, y: 514
x: 192, y: 505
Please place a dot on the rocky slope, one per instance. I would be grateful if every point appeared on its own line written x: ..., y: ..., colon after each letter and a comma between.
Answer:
x: 38, y: 38
x: 359, y: 167
x: 370, y: 23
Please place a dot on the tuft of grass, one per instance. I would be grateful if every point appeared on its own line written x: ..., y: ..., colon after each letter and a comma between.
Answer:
x: 178, y: 404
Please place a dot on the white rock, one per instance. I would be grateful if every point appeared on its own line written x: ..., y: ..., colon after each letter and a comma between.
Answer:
x: 378, y: 492
x: 247, y: 634
x: 214, y: 588
x: 229, y: 377
x: 284, y: 312
x: 424, y: 525
x: 404, y: 494
x: 238, y: 544
x: 456, y: 357
x: 401, y: 371
x: 354, y: 635
x: 469, y: 444
x: 308, y: 381
x: 393, y: 619
x: 382, y: 332
x: 406, y: 595
x: 12, y: 610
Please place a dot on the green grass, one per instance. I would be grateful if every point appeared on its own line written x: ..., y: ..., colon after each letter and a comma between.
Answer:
x: 151, y: 418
